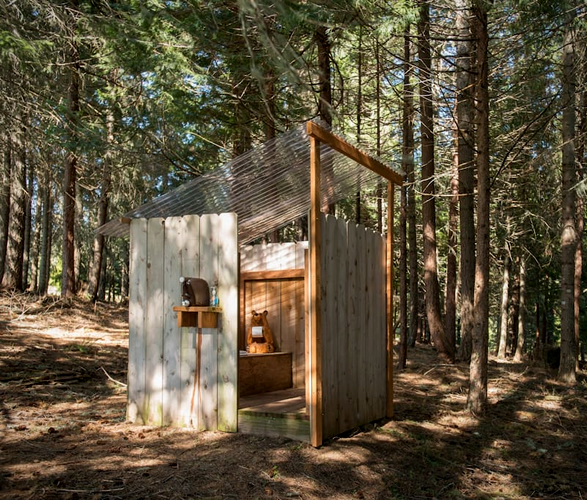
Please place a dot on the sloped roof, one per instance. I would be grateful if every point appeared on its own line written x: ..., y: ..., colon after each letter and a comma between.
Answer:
x: 268, y: 187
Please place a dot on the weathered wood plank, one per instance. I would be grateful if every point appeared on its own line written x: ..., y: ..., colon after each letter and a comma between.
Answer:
x: 390, y: 333
x: 173, y: 228
x: 307, y: 332
x: 301, y: 249
x: 189, y: 244
x: 228, y: 281
x: 245, y: 259
x: 289, y: 408
x: 276, y: 256
x: 273, y: 306
x: 274, y: 426
x: 246, y: 312
x: 241, y: 337
x: 137, y: 309
x: 342, y: 333
x: 382, y: 326
x: 299, y: 351
x: 154, y: 323
x: 273, y: 257
x: 288, y: 306
x: 371, y: 331
x: 258, y: 298
x: 266, y: 400
x: 361, y: 312
x: 207, y: 355
x: 330, y: 361
x: 351, y: 409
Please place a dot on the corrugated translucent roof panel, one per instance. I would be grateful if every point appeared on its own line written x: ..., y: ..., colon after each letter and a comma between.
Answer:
x: 268, y: 187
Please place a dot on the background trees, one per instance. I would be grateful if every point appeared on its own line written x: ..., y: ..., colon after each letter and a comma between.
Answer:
x: 104, y: 106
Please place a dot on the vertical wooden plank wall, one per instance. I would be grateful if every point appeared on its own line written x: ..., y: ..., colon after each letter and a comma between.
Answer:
x: 206, y: 398
x: 333, y: 273
x: 228, y: 281
x: 135, y: 409
x: 176, y: 375
x: 171, y: 338
x: 154, y: 321
x: 189, y: 249
x: 353, y: 325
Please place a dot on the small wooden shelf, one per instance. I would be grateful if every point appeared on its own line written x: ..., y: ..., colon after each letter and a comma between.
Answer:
x: 197, y: 316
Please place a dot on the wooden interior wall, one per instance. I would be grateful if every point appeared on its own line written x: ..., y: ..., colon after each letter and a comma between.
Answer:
x: 177, y: 376
x: 353, y: 325
x: 283, y: 298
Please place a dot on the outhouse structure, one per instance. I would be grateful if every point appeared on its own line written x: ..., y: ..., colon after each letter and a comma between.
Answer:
x: 328, y: 300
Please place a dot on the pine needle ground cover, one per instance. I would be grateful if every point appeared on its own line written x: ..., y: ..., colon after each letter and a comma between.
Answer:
x: 63, y: 432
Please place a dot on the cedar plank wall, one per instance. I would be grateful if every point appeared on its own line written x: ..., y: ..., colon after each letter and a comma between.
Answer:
x: 353, y: 325
x: 282, y: 298
x: 168, y: 382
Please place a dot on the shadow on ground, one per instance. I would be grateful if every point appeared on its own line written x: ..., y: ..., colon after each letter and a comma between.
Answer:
x: 63, y: 435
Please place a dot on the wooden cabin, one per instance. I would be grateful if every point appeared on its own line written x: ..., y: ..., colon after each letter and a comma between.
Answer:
x: 328, y: 304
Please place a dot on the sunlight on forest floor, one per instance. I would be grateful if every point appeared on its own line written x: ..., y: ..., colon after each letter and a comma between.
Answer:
x: 63, y: 432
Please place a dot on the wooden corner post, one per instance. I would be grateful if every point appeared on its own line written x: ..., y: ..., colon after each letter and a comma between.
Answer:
x: 390, y: 276
x: 315, y: 406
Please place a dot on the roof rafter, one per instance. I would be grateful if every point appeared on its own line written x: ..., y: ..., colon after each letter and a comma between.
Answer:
x: 352, y: 152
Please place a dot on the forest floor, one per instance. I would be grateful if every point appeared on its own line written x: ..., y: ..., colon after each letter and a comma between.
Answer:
x: 63, y: 433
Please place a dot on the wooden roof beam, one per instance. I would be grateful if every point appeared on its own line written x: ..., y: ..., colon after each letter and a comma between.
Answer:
x: 347, y: 149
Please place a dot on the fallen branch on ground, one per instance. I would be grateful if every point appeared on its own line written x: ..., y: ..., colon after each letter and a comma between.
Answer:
x: 121, y: 384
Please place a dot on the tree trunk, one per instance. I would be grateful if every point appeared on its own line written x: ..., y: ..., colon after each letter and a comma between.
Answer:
x: 4, y: 204
x: 521, y: 314
x: 36, y: 242
x: 270, y: 127
x: 77, y: 256
x: 505, y: 300
x: 28, y: 223
x: 403, y: 283
x: 433, y: 312
x: 324, y: 82
x: 580, y: 208
x: 407, y: 212
x: 15, y: 245
x: 324, y: 76
x: 408, y: 166
x: 537, y: 342
x: 69, y: 184
x: 104, y: 281
x: 378, y: 124
x: 568, y: 357
x: 513, y: 313
x: 477, y: 399
x: 95, y: 271
x: 359, y: 117
x: 465, y: 146
x: 124, y: 277
x: 46, y: 225
x: 450, y: 304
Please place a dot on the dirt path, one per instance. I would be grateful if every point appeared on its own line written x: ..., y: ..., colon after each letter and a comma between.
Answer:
x: 63, y: 434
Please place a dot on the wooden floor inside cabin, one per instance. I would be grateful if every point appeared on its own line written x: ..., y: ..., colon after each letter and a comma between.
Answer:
x: 288, y: 403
